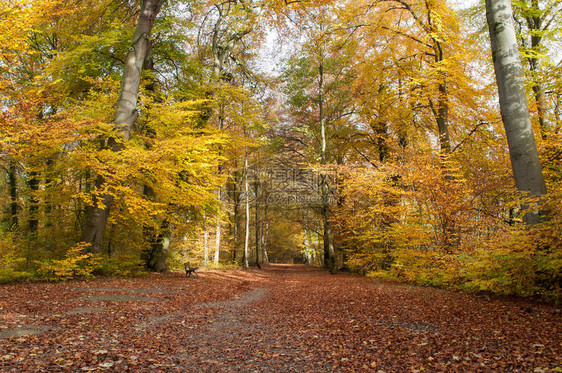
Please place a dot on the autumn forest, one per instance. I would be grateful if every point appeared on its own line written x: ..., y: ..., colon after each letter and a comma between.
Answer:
x: 409, y: 140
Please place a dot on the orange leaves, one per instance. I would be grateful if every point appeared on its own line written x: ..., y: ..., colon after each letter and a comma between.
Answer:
x: 437, y: 225
x: 298, y: 319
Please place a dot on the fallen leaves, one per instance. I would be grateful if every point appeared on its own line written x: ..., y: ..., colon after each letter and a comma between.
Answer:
x: 285, y: 318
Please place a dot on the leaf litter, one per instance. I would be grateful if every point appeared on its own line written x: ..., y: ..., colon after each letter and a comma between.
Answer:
x: 285, y: 318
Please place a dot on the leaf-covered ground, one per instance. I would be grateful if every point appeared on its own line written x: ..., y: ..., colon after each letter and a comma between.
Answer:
x: 280, y: 319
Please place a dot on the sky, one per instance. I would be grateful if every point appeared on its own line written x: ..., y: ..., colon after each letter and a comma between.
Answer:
x: 463, y: 4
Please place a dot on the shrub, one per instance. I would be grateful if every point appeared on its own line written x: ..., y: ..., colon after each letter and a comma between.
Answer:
x: 12, y: 263
x: 122, y: 265
x: 76, y: 264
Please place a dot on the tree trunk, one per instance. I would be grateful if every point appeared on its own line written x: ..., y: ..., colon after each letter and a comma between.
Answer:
x: 329, y: 252
x: 218, y: 232
x: 33, y: 183
x: 12, y: 176
x: 155, y: 257
x: 443, y: 119
x: 205, y: 241
x: 307, y: 250
x: 221, y: 54
x: 540, y: 102
x: 125, y: 116
x: 160, y: 249
x: 257, y: 224
x: 558, y: 110
x: 246, y: 191
x: 265, y: 232
x: 49, y: 186
x: 525, y: 162
x: 236, y: 200
x: 535, y: 25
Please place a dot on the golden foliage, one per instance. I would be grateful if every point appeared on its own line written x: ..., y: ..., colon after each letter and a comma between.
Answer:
x: 76, y: 264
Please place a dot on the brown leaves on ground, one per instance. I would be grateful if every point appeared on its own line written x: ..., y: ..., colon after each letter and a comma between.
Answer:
x: 283, y: 318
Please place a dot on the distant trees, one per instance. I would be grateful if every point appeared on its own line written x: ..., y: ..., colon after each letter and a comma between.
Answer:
x: 318, y: 80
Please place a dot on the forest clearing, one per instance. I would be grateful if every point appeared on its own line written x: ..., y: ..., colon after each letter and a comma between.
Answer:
x: 284, y: 318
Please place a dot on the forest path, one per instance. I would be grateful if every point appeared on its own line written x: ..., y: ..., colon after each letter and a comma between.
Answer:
x: 284, y: 318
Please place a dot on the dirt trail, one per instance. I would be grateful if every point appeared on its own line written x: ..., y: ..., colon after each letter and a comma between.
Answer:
x: 284, y: 318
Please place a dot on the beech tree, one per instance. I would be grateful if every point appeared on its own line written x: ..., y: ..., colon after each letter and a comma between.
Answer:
x: 125, y: 116
x: 523, y: 152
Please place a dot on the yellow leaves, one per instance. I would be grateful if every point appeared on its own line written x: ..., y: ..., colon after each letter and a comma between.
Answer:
x: 12, y: 260
x: 17, y: 19
x: 166, y: 168
x: 77, y: 264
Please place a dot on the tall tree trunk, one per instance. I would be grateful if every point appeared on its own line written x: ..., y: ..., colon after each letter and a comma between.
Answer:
x: 218, y: 231
x: 443, y: 119
x: 49, y: 186
x: 33, y: 183
x: 160, y: 243
x: 451, y: 237
x: 540, y: 100
x: 219, y: 197
x: 236, y: 199
x: 221, y: 53
x: 205, y: 241
x: 265, y: 231
x: 535, y: 25
x: 525, y: 162
x: 125, y: 116
x: 246, y: 191
x: 257, y: 224
x: 329, y: 252
x: 12, y: 176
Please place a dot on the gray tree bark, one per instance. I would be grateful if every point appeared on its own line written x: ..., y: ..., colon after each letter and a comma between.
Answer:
x: 236, y: 223
x: 246, y: 191
x: 523, y: 152
x: 257, y: 224
x: 218, y: 230
x: 205, y: 241
x: 329, y: 252
x: 125, y: 116
x: 265, y: 230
